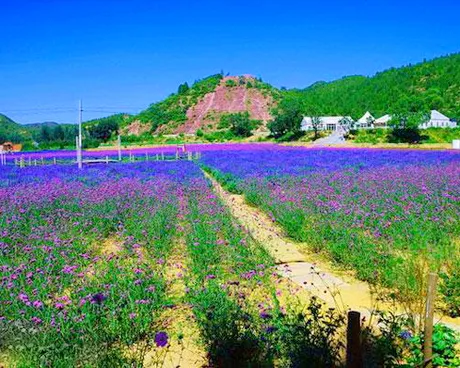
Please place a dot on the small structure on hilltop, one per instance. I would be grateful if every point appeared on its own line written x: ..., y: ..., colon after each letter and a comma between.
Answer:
x: 438, y: 120
x: 326, y: 123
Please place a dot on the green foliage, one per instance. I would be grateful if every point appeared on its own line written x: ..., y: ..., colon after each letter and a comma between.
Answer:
x: 409, y: 135
x: 428, y: 85
x: 396, y: 341
x: 90, y: 143
x: 104, y: 128
x: 441, y: 135
x: 230, y: 83
x: 219, y: 136
x: 183, y: 88
x: 380, y: 135
x: 12, y: 131
x: 288, y: 118
x: 240, y: 124
x: 174, y: 108
x: 450, y: 288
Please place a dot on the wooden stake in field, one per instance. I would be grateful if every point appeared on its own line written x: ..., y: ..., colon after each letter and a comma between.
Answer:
x: 429, y: 312
x: 354, y: 353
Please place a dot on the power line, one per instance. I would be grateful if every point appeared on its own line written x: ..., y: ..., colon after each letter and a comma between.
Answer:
x: 69, y: 109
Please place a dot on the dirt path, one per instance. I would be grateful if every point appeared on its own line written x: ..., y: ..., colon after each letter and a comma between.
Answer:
x: 311, y: 271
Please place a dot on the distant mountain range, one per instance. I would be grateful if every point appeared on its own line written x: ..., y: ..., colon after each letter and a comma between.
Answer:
x: 433, y: 84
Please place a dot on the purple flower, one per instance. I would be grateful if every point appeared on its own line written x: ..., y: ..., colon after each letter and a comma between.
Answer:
x: 37, y: 304
x: 151, y: 288
x: 161, y: 339
x: 264, y: 315
x: 69, y: 269
x: 36, y: 320
x: 98, y: 298
x: 406, y: 335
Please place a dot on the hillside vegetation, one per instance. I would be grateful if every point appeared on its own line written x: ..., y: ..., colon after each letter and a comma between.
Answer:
x: 202, y: 105
x: 12, y: 131
x: 433, y: 84
x: 203, y: 109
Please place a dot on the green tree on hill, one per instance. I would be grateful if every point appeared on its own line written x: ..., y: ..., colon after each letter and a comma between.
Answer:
x: 58, y: 133
x: 103, y: 131
x: 183, y: 88
x: 288, y: 118
x: 240, y: 124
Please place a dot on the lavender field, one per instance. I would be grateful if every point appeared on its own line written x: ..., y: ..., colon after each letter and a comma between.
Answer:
x: 141, y: 264
x: 390, y: 215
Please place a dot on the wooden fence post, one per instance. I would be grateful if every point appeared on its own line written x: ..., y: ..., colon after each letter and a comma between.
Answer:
x: 354, y: 353
x: 429, y: 312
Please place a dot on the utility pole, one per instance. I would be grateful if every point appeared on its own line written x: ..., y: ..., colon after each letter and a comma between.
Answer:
x: 79, y: 141
x: 119, y: 147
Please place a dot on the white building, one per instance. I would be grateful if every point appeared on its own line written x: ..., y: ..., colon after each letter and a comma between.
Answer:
x: 438, y: 120
x: 382, y: 122
x: 366, y: 121
x: 325, y: 122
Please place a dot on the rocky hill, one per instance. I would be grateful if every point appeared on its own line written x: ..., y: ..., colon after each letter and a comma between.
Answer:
x: 201, y: 106
x: 232, y: 95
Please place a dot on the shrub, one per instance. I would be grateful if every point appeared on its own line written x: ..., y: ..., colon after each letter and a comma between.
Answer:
x: 230, y: 83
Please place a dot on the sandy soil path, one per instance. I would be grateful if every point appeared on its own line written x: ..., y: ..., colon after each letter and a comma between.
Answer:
x: 311, y: 271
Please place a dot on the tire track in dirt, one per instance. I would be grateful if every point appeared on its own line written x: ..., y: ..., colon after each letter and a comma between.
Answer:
x: 311, y: 271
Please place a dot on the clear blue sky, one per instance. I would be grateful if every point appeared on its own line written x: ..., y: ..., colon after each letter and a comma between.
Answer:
x: 123, y: 55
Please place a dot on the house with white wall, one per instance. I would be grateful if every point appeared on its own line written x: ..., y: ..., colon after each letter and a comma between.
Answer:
x: 325, y: 123
x: 366, y: 121
x: 382, y: 122
x: 438, y: 120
